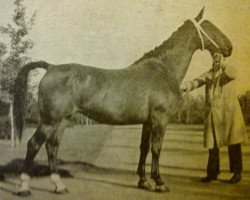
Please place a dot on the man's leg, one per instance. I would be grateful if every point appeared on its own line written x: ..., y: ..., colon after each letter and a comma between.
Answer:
x: 235, y: 160
x: 213, y: 166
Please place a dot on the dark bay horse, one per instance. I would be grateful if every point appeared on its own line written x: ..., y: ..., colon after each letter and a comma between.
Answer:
x: 147, y: 92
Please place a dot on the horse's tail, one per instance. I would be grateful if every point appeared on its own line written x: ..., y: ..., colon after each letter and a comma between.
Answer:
x: 20, y: 92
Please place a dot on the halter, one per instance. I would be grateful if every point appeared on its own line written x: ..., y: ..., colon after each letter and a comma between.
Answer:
x: 201, y: 30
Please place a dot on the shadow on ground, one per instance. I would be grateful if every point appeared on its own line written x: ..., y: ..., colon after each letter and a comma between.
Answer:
x: 40, y: 169
x: 15, y: 168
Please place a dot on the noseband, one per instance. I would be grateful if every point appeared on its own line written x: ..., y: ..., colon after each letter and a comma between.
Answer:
x: 200, y: 30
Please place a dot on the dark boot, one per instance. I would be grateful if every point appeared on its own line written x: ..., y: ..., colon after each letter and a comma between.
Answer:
x: 208, y: 179
x: 235, y: 179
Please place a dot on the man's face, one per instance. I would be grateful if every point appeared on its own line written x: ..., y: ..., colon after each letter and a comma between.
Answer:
x: 216, y: 61
x: 216, y: 58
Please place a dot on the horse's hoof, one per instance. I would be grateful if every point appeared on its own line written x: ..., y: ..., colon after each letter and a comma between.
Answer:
x: 63, y: 191
x: 144, y: 185
x: 161, y: 188
x: 24, y: 193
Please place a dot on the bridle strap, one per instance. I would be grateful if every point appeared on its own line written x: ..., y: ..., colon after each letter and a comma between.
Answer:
x: 201, y: 30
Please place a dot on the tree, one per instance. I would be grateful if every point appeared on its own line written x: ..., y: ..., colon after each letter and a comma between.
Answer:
x: 14, y: 55
x: 244, y: 100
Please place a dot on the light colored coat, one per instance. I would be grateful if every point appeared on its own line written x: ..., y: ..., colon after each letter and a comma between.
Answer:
x: 222, y: 108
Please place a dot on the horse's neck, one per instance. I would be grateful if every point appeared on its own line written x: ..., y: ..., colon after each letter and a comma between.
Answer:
x: 178, y: 59
x: 176, y: 53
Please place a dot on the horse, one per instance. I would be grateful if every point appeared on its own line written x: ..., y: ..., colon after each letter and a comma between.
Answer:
x: 146, y: 92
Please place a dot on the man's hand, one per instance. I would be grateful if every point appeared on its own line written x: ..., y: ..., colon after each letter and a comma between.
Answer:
x: 183, y: 87
x: 187, y: 86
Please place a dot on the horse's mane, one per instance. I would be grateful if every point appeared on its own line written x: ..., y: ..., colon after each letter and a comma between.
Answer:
x: 167, y: 44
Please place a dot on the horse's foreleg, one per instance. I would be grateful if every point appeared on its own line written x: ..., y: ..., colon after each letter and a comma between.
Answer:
x: 52, y: 146
x: 157, y: 139
x: 144, y: 148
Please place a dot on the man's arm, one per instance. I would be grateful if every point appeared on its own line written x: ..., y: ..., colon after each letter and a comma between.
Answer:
x: 196, y: 83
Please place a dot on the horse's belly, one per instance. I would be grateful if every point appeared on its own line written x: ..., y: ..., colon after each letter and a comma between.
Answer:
x: 117, y: 110
x: 111, y: 118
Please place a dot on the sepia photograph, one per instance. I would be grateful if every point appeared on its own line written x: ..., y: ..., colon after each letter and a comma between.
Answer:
x: 117, y: 100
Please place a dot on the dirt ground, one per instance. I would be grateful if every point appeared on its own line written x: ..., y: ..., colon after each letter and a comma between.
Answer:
x: 100, y: 161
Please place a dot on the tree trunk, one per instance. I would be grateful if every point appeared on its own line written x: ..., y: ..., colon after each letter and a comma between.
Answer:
x: 13, y: 144
x: 87, y: 121
x: 188, y: 107
x: 179, y: 116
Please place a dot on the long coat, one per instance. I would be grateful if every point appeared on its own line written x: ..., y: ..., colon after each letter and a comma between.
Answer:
x: 224, y: 123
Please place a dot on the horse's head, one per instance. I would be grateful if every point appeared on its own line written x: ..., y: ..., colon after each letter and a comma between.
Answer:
x: 211, y: 38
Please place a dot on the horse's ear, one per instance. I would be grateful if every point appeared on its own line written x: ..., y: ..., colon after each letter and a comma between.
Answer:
x: 200, y: 15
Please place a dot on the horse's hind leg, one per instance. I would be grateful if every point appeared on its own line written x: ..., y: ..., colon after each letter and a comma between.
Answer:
x: 144, y: 148
x: 52, y: 146
x: 35, y: 142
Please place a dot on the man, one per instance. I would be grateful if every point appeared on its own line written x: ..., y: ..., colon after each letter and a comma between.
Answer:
x: 224, y: 124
